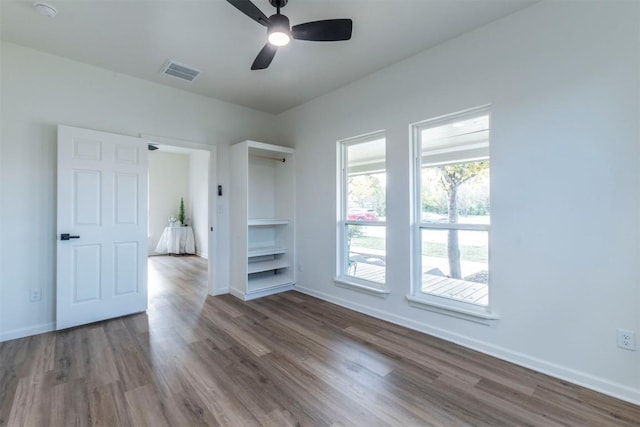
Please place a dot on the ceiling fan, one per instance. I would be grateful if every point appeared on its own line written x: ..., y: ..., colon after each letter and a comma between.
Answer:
x: 280, y: 33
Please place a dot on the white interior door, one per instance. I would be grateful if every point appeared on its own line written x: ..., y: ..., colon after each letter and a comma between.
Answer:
x: 102, y: 226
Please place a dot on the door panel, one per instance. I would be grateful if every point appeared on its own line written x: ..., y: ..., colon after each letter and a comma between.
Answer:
x: 102, y: 199
x: 86, y: 273
x: 126, y: 195
x: 86, y: 197
x: 126, y: 268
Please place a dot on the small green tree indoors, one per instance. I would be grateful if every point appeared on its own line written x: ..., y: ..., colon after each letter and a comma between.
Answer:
x: 181, y: 212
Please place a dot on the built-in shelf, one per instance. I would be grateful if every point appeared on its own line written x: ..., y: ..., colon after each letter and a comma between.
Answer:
x: 276, y: 264
x: 262, y: 209
x: 257, y: 222
x: 266, y: 282
x: 266, y: 250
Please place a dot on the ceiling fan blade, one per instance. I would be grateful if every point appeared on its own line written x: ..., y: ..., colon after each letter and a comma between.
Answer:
x: 251, y: 10
x: 265, y: 57
x: 330, y: 30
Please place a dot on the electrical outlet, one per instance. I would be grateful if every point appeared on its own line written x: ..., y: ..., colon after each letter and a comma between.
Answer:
x: 627, y: 339
x: 35, y: 294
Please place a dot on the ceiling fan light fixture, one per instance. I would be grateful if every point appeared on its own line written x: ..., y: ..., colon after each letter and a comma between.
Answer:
x: 279, y: 32
x: 279, y: 38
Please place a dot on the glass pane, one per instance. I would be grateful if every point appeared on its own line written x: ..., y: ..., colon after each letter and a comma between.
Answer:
x: 455, y: 193
x: 455, y: 264
x: 367, y: 252
x: 366, y: 181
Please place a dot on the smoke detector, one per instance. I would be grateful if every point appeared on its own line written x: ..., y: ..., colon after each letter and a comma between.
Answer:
x: 45, y: 9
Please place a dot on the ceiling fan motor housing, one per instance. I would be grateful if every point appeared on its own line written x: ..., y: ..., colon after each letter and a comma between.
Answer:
x: 278, y: 3
x: 280, y: 22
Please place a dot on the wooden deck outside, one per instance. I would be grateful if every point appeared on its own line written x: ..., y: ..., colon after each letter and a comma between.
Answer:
x: 461, y: 290
x: 371, y: 272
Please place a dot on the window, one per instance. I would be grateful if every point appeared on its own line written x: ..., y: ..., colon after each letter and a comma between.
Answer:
x: 362, y: 214
x: 452, y: 211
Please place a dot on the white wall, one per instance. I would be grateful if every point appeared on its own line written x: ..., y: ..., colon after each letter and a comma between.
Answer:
x: 168, y: 181
x: 563, y: 82
x: 40, y: 91
x: 198, y: 198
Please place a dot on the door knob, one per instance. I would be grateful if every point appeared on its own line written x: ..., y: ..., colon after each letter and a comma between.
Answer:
x: 66, y: 236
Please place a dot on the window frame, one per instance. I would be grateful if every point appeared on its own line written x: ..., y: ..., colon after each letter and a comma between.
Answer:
x: 418, y: 299
x: 343, y: 279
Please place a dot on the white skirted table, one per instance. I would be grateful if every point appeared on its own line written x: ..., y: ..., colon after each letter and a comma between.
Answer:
x: 177, y: 240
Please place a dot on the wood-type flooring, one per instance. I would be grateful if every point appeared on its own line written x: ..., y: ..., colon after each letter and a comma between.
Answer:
x: 288, y: 359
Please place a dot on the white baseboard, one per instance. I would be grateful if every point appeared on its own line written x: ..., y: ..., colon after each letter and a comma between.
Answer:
x: 204, y: 255
x: 222, y: 291
x: 236, y: 293
x: 583, y: 379
x: 26, y: 332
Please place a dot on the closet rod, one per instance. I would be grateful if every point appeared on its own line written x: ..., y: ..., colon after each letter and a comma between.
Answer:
x: 269, y: 158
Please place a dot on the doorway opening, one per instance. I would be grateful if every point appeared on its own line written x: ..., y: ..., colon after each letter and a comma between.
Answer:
x: 181, y: 214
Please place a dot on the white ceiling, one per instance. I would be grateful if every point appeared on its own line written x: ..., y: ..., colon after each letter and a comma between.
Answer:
x: 136, y: 37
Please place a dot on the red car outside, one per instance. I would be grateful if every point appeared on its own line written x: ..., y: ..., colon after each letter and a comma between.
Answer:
x: 358, y: 214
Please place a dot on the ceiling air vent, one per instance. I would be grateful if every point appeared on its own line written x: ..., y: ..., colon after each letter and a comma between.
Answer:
x: 180, y: 71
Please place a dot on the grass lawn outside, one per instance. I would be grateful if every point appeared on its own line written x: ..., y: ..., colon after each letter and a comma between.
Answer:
x: 432, y: 249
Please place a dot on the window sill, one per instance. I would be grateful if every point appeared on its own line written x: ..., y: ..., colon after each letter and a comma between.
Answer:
x: 479, y: 315
x: 346, y: 283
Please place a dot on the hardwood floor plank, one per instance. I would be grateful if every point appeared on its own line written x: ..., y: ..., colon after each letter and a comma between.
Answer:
x: 39, y: 356
x: 30, y: 406
x: 187, y: 410
x: 422, y: 359
x: 133, y: 369
x: 14, y: 352
x: 145, y: 407
x: 225, y: 408
x: 70, y: 404
x: 108, y: 405
x: 242, y: 336
x: 519, y: 383
x: 284, y: 360
x: 8, y: 386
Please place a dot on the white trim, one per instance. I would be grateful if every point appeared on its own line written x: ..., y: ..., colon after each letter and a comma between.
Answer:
x: 455, y: 149
x: 365, y: 137
x: 183, y: 143
x: 270, y: 147
x: 221, y: 291
x: 248, y: 296
x: 619, y: 391
x: 454, y: 226
x: 481, y: 315
x: 28, y: 331
x: 460, y: 115
x: 347, y: 283
x: 236, y: 293
x: 366, y: 223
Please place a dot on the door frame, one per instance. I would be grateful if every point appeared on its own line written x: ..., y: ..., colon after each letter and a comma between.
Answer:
x: 212, y: 205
